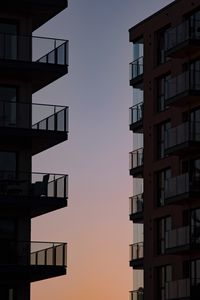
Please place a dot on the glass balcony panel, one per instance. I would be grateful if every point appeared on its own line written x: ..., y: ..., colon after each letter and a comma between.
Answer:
x: 136, y: 113
x: 177, y: 185
x: 137, y: 251
x: 33, y: 49
x: 50, y: 256
x: 137, y: 295
x: 179, y: 289
x: 33, y: 116
x: 136, y: 204
x: 136, y: 158
x: 136, y: 68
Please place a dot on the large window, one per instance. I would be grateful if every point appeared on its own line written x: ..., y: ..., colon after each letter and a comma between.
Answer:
x: 8, y: 40
x: 164, y: 274
x: 161, y: 129
x: 163, y: 225
x: 161, y: 92
x: 8, y: 232
x: 162, y: 176
x: 161, y: 57
x: 195, y: 225
x: 8, y: 164
x: 8, y: 98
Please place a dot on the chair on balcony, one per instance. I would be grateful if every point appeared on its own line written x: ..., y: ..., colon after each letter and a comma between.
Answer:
x: 40, y: 188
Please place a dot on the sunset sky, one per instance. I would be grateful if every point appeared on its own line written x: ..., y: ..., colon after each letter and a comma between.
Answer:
x: 95, y: 224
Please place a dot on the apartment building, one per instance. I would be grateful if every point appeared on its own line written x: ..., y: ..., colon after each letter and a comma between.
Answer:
x: 27, y: 64
x: 165, y: 163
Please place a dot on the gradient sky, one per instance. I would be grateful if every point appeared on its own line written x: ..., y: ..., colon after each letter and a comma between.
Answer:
x: 95, y: 224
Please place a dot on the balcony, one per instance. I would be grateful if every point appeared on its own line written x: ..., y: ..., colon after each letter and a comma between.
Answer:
x: 38, y: 193
x: 137, y: 295
x: 137, y: 256
x: 32, y: 261
x: 181, y: 188
x: 38, y: 60
x: 136, y: 159
x: 136, y: 69
x: 40, y: 11
x: 182, y: 240
x: 183, y: 289
x: 183, y: 139
x: 136, y: 118
x: 183, y: 89
x: 36, y: 126
x: 136, y: 208
x: 183, y: 40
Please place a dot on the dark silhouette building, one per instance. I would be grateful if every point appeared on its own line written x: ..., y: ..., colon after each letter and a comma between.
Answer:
x: 165, y: 119
x: 27, y: 64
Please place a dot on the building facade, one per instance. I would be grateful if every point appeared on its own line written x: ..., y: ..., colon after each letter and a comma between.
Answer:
x: 27, y: 64
x: 165, y: 161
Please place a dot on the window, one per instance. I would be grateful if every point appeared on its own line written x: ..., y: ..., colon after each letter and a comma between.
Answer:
x: 8, y: 96
x: 8, y: 40
x: 8, y: 249
x: 8, y: 164
x: 6, y: 293
x: 161, y: 57
x: 162, y: 176
x: 161, y: 92
x: 164, y: 274
x: 195, y: 225
x: 164, y: 224
x: 161, y: 129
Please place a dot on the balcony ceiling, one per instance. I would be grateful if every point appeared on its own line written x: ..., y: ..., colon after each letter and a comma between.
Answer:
x: 41, y: 11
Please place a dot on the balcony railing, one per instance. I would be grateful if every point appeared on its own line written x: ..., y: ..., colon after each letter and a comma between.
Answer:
x: 182, y: 33
x: 180, y: 289
x: 185, y: 82
x: 177, y: 237
x: 136, y: 158
x: 136, y: 204
x: 33, y: 253
x: 136, y: 113
x: 185, y: 132
x: 137, y: 251
x: 136, y: 68
x: 137, y: 295
x: 183, y: 236
x: 33, y: 184
x: 181, y: 184
x: 33, y: 49
x: 33, y: 116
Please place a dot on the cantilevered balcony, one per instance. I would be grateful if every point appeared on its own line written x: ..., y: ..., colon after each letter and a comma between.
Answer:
x: 136, y: 72
x: 137, y: 255
x: 37, y: 193
x: 137, y: 295
x: 181, y: 188
x: 37, y: 126
x: 183, y: 40
x: 39, y: 60
x: 183, y: 289
x: 183, y: 89
x: 40, y: 11
x: 183, y: 138
x: 32, y: 261
x: 136, y: 118
x: 136, y: 208
x: 182, y: 240
x: 136, y: 159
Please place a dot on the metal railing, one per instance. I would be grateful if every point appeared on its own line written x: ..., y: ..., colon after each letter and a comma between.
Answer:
x: 179, y: 289
x: 185, y: 132
x: 181, y: 33
x: 187, y: 81
x: 136, y: 203
x: 136, y: 158
x: 34, y: 116
x: 137, y: 295
x: 136, y: 68
x: 136, y: 113
x: 137, y: 251
x: 33, y: 253
x: 33, y: 184
x: 33, y: 49
x: 181, y: 184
